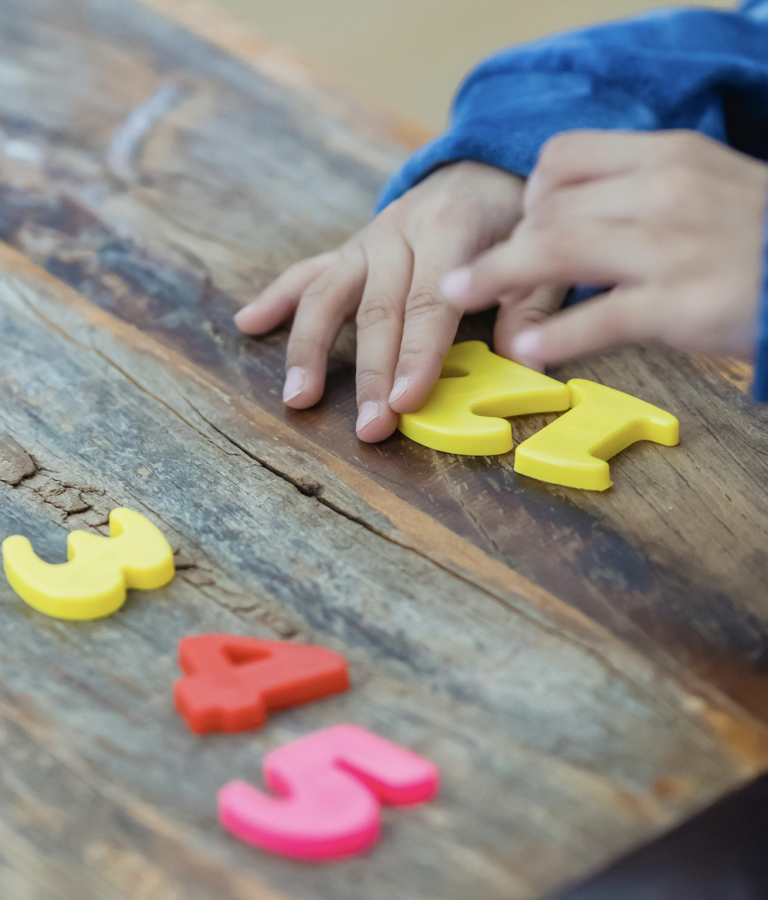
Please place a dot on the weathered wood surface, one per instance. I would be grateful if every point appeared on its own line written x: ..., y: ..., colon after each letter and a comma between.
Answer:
x: 166, y: 181
x: 233, y: 178
x: 558, y: 745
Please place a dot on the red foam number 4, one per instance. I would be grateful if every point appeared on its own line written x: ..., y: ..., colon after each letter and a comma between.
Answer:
x: 331, y: 785
x: 231, y: 681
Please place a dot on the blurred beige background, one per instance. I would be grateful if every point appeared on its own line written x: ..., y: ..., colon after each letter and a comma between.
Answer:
x: 413, y: 53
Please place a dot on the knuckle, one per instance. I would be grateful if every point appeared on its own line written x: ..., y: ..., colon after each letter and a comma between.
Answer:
x: 458, y: 204
x: 545, y: 212
x: 557, y: 152
x: 303, y: 346
x: 315, y: 293
x: 682, y: 146
x: 398, y: 211
x: 383, y: 227
x: 442, y: 212
x: 418, y: 355
x: 411, y: 350
x: 534, y: 316
x: 462, y: 205
x: 367, y: 377
x: 422, y: 301
x: 676, y: 188
x: 374, y: 313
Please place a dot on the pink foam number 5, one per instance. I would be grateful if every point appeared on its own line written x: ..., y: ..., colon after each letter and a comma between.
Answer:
x: 331, y: 783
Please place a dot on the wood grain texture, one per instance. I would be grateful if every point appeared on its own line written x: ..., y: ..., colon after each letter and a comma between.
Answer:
x: 591, y: 748
x: 234, y: 177
x: 586, y: 670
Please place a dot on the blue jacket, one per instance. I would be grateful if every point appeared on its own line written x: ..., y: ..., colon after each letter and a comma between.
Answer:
x: 700, y: 69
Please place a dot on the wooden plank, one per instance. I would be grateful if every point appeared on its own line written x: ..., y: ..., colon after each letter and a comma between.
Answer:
x: 560, y: 747
x: 315, y: 472
x: 236, y: 176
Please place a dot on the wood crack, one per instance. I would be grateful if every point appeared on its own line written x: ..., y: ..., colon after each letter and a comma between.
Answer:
x: 313, y: 490
x: 547, y: 628
x: 21, y: 471
x: 16, y: 465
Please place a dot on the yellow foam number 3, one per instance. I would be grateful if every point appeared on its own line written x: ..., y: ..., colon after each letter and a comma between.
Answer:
x: 476, y: 387
x: 100, y: 569
x: 573, y: 450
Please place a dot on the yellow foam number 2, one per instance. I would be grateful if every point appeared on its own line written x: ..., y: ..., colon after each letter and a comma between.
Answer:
x: 603, y: 422
x: 94, y: 582
x: 476, y: 388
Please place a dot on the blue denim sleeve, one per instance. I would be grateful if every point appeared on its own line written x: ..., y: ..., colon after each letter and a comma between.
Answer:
x: 699, y: 69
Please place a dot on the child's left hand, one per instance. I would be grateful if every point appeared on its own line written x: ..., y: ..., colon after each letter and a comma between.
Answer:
x: 673, y: 222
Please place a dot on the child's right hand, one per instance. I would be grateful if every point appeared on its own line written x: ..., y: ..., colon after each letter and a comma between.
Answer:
x: 671, y: 223
x: 389, y: 274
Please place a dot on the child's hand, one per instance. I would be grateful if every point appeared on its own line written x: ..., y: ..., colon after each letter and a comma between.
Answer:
x: 673, y: 222
x: 390, y: 274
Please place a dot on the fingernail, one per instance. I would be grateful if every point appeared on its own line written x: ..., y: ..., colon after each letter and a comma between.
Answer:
x: 527, y: 345
x: 398, y: 389
x: 368, y: 412
x: 242, y: 315
x: 456, y: 284
x: 294, y: 383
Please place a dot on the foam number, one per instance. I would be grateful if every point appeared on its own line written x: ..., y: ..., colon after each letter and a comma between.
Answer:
x: 573, y: 450
x: 476, y: 388
x: 100, y: 569
x: 332, y: 783
x: 231, y: 681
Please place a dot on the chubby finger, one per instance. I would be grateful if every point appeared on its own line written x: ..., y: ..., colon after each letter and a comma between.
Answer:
x: 379, y: 333
x: 565, y: 251
x: 278, y: 302
x: 619, y: 317
x: 528, y: 313
x: 326, y: 303
x: 429, y: 327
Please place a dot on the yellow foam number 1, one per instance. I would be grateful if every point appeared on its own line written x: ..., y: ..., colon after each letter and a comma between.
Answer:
x: 100, y: 569
x: 463, y: 414
x: 573, y: 450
